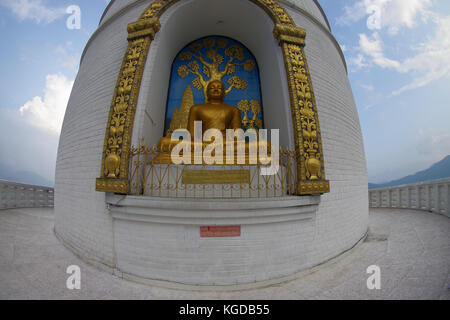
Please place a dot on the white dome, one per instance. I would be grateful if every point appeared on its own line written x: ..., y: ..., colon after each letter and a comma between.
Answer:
x: 310, y: 6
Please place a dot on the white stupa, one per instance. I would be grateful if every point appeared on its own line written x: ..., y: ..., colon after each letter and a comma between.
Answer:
x: 161, y: 239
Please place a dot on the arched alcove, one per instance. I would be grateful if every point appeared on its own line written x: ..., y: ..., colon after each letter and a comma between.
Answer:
x: 187, y: 21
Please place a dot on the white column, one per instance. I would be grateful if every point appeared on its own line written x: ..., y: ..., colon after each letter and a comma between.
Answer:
x: 447, y: 199
x: 428, y: 196
x: 408, y: 197
x: 46, y: 197
x: 388, y: 198
x: 437, y: 199
x: 418, y: 198
x: 2, y: 196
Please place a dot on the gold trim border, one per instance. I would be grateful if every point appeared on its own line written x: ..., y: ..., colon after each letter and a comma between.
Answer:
x: 113, y: 185
x: 308, y: 142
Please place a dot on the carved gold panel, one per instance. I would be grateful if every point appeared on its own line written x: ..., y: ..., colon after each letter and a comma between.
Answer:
x: 215, y: 176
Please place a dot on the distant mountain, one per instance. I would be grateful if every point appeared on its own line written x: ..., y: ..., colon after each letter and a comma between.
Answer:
x: 439, y: 170
x: 27, y: 177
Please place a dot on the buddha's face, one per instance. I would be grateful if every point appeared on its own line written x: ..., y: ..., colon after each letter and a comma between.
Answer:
x: 216, y: 90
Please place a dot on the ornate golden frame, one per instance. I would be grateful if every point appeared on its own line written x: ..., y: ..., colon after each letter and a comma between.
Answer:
x: 308, y: 141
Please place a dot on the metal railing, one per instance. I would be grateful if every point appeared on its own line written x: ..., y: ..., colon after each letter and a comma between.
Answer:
x: 19, y: 195
x: 431, y: 196
x: 170, y: 181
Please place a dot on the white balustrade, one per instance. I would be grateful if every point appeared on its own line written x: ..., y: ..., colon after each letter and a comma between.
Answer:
x: 18, y: 195
x: 433, y: 196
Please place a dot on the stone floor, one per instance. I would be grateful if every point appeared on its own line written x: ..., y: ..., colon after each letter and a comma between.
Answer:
x: 412, y: 248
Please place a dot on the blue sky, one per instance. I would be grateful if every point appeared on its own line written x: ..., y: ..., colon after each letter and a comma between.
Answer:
x: 397, y: 51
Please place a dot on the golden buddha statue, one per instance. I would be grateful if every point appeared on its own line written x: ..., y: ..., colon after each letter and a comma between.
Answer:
x: 213, y: 115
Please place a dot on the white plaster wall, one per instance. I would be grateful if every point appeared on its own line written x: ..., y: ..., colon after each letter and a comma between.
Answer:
x: 160, y: 239
x: 82, y: 219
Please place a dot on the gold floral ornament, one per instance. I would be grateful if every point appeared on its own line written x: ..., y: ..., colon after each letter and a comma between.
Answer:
x: 279, y: 12
x: 245, y: 106
x: 304, y: 111
x: 114, y: 173
x: 211, y: 63
x: 120, y: 108
x: 154, y: 9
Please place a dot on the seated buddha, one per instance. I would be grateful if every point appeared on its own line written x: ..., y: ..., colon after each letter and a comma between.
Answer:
x: 213, y: 115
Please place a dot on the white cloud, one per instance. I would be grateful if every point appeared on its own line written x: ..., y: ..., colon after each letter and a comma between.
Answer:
x: 432, y: 63
x: 67, y: 57
x: 26, y: 148
x: 48, y: 113
x: 357, y: 63
x: 432, y: 145
x: 33, y: 10
x: 367, y: 87
x: 430, y: 60
x: 427, y: 147
x: 373, y: 48
x: 394, y: 14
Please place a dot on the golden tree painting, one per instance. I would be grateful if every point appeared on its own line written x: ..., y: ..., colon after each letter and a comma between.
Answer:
x: 211, y: 63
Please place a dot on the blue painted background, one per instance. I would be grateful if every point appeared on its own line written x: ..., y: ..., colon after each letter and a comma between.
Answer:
x: 178, y: 84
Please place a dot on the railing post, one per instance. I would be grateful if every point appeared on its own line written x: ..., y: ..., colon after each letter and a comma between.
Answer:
x: 389, y: 199
x: 437, y: 199
x: 2, y: 196
x: 428, y: 197
x: 418, y: 198
x: 399, y: 198
x: 408, y: 197
x: 447, y: 199
x: 46, y: 194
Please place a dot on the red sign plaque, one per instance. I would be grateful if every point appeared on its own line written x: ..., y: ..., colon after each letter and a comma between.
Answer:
x: 220, y: 231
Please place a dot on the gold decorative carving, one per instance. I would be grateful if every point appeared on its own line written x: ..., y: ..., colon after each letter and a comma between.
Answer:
x: 121, y: 117
x: 115, y: 160
x: 304, y: 111
x: 143, y: 28
x: 285, y: 33
x: 313, y: 187
x: 276, y: 11
x: 154, y: 9
x: 113, y: 185
x: 215, y: 176
x: 253, y: 123
x: 180, y: 117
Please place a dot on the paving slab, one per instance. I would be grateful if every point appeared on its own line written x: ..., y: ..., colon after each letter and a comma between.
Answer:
x: 412, y: 249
